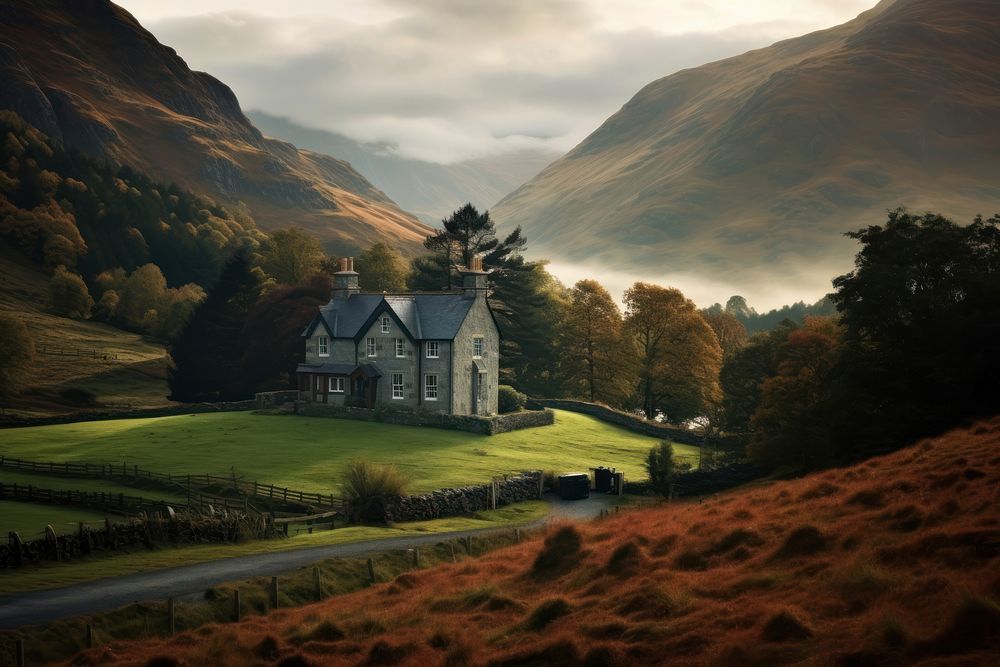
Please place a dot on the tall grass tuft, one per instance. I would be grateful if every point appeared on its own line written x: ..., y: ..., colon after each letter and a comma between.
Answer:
x: 367, y: 485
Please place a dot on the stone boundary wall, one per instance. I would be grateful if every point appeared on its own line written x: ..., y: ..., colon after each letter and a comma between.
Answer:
x: 275, y: 399
x: 12, y: 421
x: 466, y: 499
x: 705, y: 482
x: 472, y: 424
x: 623, y: 419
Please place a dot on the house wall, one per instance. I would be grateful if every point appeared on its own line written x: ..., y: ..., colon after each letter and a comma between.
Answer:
x: 342, y: 350
x: 387, y: 361
x: 478, y: 322
x: 440, y: 367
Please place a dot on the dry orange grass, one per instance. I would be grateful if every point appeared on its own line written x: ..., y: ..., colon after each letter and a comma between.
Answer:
x: 892, y: 561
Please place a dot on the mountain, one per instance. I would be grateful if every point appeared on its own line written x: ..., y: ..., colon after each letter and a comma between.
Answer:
x: 430, y: 190
x: 748, y: 170
x: 893, y: 561
x: 89, y: 75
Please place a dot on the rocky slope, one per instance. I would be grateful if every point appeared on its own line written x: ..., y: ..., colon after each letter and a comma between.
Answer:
x: 429, y: 190
x: 89, y: 75
x: 752, y: 167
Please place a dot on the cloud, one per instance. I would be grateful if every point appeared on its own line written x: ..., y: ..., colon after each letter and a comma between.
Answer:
x: 446, y: 80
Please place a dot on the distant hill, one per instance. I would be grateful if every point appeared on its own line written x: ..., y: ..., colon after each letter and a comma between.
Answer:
x: 889, y: 562
x: 751, y: 168
x: 429, y: 190
x: 88, y: 74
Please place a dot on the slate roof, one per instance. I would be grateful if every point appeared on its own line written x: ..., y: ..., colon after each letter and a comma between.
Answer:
x: 423, y: 316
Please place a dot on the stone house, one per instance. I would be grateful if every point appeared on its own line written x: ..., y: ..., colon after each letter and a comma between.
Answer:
x: 430, y: 351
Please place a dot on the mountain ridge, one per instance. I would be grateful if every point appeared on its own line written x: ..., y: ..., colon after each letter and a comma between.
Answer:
x: 94, y: 78
x: 775, y: 153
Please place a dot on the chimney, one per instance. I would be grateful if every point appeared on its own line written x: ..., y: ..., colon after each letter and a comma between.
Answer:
x: 345, y: 281
x: 474, y: 279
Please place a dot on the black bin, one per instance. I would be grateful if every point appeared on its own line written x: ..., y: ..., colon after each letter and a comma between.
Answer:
x: 603, y: 478
x: 574, y: 486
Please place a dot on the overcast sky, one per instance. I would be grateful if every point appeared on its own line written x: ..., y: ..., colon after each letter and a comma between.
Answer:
x: 444, y: 80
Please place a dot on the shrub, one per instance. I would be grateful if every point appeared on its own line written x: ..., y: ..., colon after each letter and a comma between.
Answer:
x: 368, y: 485
x: 510, y: 399
x: 546, y: 612
x: 68, y: 295
x: 784, y: 627
x: 663, y: 468
x: 561, y: 551
x: 17, y: 354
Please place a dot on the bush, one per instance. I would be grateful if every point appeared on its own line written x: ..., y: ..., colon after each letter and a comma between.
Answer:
x: 68, y: 294
x: 510, y: 399
x: 663, y: 468
x: 368, y: 485
x: 17, y: 354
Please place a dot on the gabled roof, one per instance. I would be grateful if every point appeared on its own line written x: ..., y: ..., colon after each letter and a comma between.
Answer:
x: 422, y: 316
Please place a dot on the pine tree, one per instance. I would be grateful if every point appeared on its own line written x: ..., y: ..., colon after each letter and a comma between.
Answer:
x: 207, y: 355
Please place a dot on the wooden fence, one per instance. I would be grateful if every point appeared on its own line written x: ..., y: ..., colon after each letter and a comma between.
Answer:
x: 252, y: 489
x: 120, y: 503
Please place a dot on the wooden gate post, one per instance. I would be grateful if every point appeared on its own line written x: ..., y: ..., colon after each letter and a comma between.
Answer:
x: 274, y: 592
x: 371, y: 570
x: 317, y: 584
x: 416, y: 557
x: 19, y: 652
x: 451, y: 545
x: 90, y: 636
x: 236, y: 605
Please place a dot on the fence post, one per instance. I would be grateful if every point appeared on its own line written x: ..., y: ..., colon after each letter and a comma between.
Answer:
x: 416, y: 557
x: 171, y: 616
x: 517, y: 535
x: 274, y: 592
x: 90, y: 636
x: 451, y: 545
x: 19, y: 652
x: 236, y: 605
x: 371, y: 570
x: 318, y: 584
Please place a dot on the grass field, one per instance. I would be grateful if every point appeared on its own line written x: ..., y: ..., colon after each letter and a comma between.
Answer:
x: 30, y: 519
x: 53, y: 575
x: 308, y: 453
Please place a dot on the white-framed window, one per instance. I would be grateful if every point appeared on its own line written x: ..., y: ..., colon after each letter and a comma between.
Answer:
x: 482, y: 387
x: 430, y: 387
x: 385, y: 324
x: 323, y: 346
x: 397, y: 385
x: 336, y: 385
x: 400, y: 347
x: 370, y: 346
x: 433, y: 350
x: 477, y: 347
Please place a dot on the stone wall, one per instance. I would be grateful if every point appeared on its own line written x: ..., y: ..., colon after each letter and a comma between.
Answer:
x: 275, y: 399
x: 705, y: 482
x: 623, y: 419
x: 405, y: 417
x: 464, y: 500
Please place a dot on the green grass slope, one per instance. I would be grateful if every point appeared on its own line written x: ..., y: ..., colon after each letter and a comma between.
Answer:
x: 309, y: 453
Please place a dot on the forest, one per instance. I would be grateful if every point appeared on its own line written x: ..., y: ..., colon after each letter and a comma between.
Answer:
x: 904, y: 346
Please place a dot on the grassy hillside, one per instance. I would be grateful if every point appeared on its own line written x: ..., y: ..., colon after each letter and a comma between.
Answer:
x: 309, y: 453
x: 893, y: 561
x: 119, y: 367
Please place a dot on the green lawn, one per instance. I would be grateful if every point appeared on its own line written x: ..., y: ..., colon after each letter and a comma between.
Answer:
x: 30, y: 519
x: 54, y: 575
x: 308, y: 453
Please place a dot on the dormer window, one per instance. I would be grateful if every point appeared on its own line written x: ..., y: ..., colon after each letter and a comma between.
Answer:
x: 323, y: 346
x: 385, y: 324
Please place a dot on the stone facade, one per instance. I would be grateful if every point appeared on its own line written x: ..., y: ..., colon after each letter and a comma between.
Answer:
x: 434, y: 352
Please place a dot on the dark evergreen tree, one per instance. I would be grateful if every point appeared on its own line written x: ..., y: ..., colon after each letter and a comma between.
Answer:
x: 207, y: 353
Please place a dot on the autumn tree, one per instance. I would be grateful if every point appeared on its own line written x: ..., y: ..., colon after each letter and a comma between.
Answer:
x: 677, y: 353
x: 592, y: 346
x: 729, y: 331
x: 68, y: 294
x: 17, y: 354
x: 791, y: 423
x: 290, y: 256
x: 142, y: 301
x: 382, y: 269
